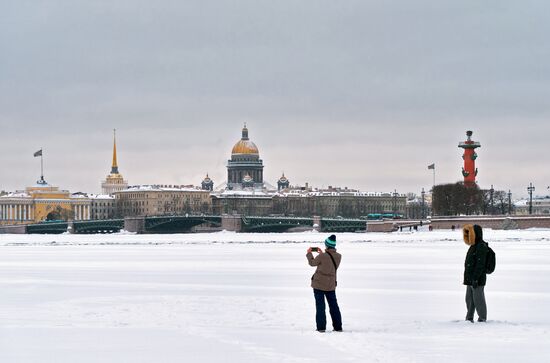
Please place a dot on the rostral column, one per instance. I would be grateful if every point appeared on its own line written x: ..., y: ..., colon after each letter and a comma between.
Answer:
x: 469, y: 171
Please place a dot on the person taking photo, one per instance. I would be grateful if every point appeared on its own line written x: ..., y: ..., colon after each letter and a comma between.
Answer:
x: 324, y: 283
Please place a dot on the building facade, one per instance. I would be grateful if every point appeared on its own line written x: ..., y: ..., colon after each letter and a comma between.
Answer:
x: 540, y: 206
x: 158, y: 200
x: 103, y: 206
x: 43, y: 202
x: 248, y: 203
x: 337, y: 202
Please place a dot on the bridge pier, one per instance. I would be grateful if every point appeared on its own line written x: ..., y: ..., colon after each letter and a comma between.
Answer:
x: 381, y: 226
x: 232, y: 222
x: 317, y: 223
x: 134, y: 224
x: 13, y: 229
x: 70, y: 227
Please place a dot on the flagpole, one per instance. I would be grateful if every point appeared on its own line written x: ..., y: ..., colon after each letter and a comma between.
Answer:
x: 41, y: 164
x: 432, y: 166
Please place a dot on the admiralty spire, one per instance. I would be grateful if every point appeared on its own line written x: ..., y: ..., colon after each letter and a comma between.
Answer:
x: 114, y: 181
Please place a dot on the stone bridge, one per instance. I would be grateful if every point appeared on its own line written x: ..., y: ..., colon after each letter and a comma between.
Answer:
x: 237, y: 223
x: 183, y: 224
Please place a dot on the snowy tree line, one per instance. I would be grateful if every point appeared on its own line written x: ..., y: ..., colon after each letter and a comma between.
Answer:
x: 459, y: 199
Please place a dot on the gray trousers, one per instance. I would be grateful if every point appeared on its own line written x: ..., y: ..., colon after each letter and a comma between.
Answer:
x: 475, y: 301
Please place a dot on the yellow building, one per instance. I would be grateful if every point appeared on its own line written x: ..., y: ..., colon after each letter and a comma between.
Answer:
x: 157, y: 200
x: 43, y: 202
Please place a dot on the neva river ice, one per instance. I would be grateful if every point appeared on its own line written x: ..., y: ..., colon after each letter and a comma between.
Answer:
x: 229, y: 297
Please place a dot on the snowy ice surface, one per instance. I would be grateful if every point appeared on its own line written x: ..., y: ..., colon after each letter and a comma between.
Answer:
x: 228, y: 297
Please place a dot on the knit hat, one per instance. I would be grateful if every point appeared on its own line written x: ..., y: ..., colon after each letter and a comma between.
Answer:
x: 330, y: 242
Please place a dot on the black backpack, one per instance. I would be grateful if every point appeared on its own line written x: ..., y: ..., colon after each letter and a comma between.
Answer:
x: 491, y: 261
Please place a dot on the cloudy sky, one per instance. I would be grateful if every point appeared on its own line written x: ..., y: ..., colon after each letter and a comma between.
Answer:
x: 361, y: 94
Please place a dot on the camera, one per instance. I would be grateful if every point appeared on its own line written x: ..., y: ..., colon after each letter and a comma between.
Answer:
x: 314, y: 249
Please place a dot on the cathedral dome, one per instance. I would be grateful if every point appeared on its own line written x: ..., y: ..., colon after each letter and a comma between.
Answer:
x: 245, y: 146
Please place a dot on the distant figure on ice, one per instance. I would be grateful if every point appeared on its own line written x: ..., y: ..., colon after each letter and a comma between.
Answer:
x: 475, y: 272
x: 323, y: 283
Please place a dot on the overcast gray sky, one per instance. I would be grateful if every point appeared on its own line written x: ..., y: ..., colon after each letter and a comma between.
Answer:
x: 361, y: 94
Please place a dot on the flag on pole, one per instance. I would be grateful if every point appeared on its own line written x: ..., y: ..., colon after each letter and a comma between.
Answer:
x: 38, y: 153
x: 430, y: 167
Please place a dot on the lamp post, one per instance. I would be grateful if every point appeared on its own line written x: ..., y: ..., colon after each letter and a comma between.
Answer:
x: 531, y: 189
x: 423, y: 212
x: 509, y: 202
x: 395, y: 201
x: 492, y: 201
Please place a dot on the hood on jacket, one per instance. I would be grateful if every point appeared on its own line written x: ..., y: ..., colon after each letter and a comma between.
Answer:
x: 469, y: 234
x: 478, y: 233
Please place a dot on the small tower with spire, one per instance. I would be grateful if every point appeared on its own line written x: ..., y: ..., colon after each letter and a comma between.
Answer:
x: 207, y: 183
x: 114, y: 181
x: 282, y: 183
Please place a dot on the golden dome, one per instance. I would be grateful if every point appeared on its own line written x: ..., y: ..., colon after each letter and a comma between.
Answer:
x: 245, y: 146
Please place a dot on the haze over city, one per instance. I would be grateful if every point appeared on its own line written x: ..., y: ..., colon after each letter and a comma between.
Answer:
x: 360, y: 94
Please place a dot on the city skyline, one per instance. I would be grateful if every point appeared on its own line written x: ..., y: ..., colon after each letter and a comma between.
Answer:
x: 362, y: 94
x: 223, y: 177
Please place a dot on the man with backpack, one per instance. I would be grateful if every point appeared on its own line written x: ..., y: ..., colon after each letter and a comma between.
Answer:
x: 480, y: 260
x: 323, y: 283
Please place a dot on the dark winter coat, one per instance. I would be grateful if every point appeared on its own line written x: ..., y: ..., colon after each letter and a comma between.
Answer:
x: 324, y: 277
x: 476, y: 260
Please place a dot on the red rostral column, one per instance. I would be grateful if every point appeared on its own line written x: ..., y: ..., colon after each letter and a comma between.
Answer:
x: 469, y: 171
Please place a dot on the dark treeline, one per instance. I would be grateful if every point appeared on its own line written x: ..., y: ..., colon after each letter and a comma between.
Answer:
x: 458, y: 199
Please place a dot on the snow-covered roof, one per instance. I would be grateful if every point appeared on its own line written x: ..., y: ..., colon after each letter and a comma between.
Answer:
x: 333, y: 193
x: 79, y: 196
x: 251, y: 193
x: 162, y: 188
x: 536, y: 201
x: 101, y: 196
x: 16, y: 194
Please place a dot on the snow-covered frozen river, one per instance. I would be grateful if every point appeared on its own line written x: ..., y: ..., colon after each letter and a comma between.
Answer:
x: 229, y: 297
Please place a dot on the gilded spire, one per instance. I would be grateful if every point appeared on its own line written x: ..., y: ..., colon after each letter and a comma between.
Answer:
x: 114, y: 167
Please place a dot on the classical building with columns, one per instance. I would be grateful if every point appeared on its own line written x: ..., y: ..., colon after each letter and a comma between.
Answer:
x: 43, y: 202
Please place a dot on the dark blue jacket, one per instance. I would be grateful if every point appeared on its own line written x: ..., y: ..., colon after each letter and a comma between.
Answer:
x: 476, y: 261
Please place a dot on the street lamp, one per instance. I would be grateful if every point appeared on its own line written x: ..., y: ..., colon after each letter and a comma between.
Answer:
x: 509, y: 202
x: 423, y: 213
x: 531, y: 189
x: 492, y: 201
x: 395, y: 201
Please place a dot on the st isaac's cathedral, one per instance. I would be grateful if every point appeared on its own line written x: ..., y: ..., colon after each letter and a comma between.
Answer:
x: 245, y: 169
x: 245, y: 192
